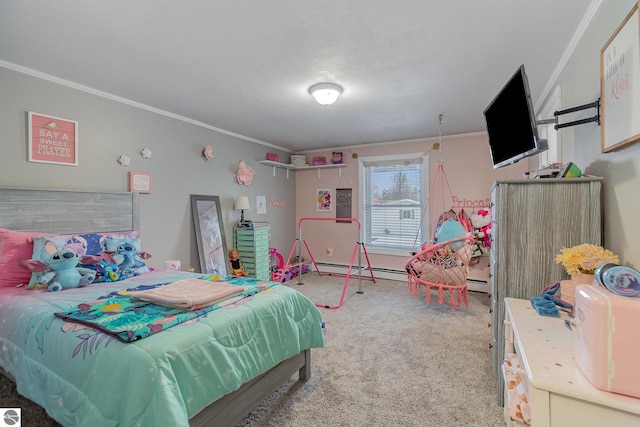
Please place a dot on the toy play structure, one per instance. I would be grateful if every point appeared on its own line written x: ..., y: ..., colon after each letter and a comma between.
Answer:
x: 358, y: 249
x: 283, y: 273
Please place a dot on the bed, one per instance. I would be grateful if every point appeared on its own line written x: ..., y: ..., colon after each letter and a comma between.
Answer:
x: 210, y: 370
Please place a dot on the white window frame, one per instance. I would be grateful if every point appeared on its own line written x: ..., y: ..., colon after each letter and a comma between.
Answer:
x: 424, y: 196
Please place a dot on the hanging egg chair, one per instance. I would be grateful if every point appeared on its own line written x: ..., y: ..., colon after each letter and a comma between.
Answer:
x: 442, y: 263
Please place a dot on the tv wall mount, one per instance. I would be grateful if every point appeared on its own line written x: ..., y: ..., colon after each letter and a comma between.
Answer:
x: 595, y: 104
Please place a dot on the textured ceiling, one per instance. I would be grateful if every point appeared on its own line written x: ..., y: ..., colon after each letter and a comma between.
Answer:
x: 244, y: 67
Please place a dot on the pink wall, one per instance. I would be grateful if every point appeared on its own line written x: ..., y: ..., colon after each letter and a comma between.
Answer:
x: 467, y: 165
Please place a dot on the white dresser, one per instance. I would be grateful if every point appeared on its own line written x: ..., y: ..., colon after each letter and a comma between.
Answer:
x: 533, y: 219
x: 558, y: 393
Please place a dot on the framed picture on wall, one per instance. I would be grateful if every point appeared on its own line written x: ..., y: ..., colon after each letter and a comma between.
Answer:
x: 140, y: 182
x: 52, y: 139
x: 620, y: 85
x: 323, y: 200
x: 210, y: 239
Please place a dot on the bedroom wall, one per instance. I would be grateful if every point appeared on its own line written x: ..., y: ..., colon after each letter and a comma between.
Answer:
x: 468, y: 168
x: 107, y: 129
x: 579, y: 81
x: 467, y: 161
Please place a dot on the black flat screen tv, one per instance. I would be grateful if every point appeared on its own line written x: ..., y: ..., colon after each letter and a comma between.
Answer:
x: 511, y: 123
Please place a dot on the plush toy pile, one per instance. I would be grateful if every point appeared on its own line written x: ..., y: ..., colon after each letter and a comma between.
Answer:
x: 70, y: 261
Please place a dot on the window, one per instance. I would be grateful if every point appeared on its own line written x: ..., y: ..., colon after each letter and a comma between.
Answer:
x: 393, y: 197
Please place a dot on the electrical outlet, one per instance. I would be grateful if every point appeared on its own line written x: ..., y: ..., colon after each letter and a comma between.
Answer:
x: 330, y: 251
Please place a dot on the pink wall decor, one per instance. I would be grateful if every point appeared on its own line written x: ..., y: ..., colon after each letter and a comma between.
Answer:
x: 140, y: 182
x: 274, y: 202
x: 244, y: 174
x: 52, y: 140
x: 208, y: 152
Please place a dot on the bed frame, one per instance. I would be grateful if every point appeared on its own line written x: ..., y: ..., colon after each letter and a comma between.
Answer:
x: 80, y: 211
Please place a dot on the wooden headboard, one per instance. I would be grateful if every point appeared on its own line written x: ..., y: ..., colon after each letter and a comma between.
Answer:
x: 67, y: 211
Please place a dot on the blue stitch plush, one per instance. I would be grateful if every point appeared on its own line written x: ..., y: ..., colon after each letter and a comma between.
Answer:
x: 61, y: 270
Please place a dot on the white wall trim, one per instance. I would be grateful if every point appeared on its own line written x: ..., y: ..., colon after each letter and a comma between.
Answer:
x: 122, y: 100
x: 573, y: 43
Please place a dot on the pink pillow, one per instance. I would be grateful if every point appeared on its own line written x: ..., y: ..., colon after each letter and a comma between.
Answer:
x: 15, y: 246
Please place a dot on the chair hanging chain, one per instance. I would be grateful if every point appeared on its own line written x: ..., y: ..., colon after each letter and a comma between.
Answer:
x: 440, y: 138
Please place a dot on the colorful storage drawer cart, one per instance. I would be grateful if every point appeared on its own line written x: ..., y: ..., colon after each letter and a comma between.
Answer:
x: 253, y: 245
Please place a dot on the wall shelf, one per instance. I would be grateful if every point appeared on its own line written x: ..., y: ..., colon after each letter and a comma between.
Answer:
x: 289, y: 167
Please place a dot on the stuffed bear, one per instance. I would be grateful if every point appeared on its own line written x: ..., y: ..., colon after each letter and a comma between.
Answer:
x: 61, y: 269
x: 481, y: 221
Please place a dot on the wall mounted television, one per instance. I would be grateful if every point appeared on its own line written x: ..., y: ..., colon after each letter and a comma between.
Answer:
x: 511, y: 123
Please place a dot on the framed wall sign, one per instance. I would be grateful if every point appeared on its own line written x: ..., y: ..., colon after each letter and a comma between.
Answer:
x: 52, y: 139
x: 620, y: 85
x: 343, y: 204
x: 140, y: 182
x: 210, y: 239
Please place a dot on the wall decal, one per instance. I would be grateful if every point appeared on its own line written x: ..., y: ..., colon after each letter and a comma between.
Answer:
x: 146, y: 153
x: 244, y: 174
x: 124, y: 160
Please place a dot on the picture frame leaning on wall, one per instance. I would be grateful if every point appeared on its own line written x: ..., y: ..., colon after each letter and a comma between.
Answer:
x: 210, y: 238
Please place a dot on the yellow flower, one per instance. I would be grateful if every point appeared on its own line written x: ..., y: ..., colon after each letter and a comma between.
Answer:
x: 585, y: 258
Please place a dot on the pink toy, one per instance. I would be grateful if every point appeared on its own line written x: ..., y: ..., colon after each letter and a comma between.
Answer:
x: 481, y: 222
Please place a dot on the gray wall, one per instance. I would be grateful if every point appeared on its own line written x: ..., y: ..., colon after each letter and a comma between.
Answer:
x: 580, y: 84
x: 107, y: 129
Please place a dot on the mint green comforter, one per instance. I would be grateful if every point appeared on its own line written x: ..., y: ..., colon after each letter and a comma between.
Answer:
x: 83, y: 377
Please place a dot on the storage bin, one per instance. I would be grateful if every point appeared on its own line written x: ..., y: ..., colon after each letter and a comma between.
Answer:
x: 607, y: 340
x: 298, y: 160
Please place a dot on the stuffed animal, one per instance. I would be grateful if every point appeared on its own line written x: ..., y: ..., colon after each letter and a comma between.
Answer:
x: 106, y: 272
x: 61, y: 269
x: 482, y: 225
x: 127, y: 258
x: 450, y: 229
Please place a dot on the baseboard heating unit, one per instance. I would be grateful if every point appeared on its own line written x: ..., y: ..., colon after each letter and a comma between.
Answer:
x: 477, y: 285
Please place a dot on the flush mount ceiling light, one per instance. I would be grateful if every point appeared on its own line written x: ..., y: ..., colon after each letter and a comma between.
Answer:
x: 325, y: 93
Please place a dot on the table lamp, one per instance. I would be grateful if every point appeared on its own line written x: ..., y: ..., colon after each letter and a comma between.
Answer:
x: 242, y: 203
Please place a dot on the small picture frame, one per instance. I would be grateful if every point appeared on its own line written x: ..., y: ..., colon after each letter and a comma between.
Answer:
x: 139, y: 182
x: 319, y: 161
x: 298, y: 160
x: 323, y: 200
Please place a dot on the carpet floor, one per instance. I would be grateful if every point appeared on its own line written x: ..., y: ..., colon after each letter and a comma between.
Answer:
x: 389, y: 360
